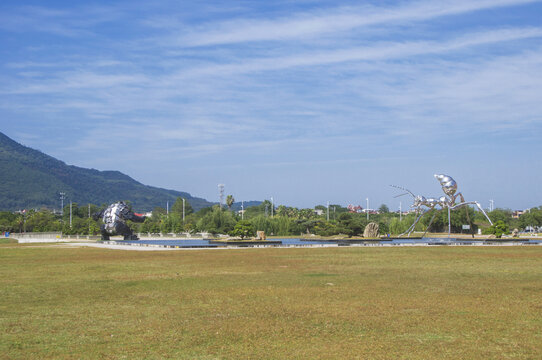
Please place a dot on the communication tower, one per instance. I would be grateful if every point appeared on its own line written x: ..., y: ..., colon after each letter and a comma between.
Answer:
x: 221, y: 194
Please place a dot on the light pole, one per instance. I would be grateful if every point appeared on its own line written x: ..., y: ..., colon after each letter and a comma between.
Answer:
x: 400, y: 212
x: 242, y: 210
x: 367, y: 209
x: 272, y: 206
x: 328, y: 211
x: 183, y: 210
x: 62, y: 194
x: 70, y: 214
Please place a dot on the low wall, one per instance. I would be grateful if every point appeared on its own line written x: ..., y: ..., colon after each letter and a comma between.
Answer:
x: 35, y: 237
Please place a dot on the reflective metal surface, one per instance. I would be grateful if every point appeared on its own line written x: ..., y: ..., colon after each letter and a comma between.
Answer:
x: 448, y: 202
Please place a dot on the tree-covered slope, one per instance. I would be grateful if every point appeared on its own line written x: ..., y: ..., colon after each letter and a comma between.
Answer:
x: 32, y: 179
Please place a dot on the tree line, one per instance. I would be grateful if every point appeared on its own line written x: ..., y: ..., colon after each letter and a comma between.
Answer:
x: 279, y: 221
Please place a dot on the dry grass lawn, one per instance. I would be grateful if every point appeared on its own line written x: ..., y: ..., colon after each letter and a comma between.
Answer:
x: 320, y: 303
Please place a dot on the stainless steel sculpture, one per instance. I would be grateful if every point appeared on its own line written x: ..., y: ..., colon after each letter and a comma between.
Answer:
x: 449, y: 202
x: 114, y: 221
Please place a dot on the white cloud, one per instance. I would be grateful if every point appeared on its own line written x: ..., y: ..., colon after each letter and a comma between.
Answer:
x: 325, y: 88
x: 330, y: 21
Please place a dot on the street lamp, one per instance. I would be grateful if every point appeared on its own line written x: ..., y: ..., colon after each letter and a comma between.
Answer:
x: 62, y: 194
x: 367, y: 209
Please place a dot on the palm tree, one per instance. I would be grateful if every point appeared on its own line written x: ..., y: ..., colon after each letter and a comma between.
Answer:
x: 229, y: 201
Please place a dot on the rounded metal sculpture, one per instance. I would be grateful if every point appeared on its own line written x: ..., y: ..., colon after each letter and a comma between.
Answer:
x: 449, y: 202
x: 114, y: 221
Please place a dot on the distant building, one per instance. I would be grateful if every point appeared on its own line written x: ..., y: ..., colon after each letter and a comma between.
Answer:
x: 354, y: 208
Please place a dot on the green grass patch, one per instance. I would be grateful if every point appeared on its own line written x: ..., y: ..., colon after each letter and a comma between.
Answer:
x: 341, y: 303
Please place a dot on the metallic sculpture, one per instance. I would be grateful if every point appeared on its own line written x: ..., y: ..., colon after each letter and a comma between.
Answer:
x: 114, y: 221
x: 449, y: 202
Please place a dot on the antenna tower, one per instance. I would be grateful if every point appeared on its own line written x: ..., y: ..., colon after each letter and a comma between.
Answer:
x: 221, y: 194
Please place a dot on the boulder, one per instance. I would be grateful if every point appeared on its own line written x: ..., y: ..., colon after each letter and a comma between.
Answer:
x: 371, y: 230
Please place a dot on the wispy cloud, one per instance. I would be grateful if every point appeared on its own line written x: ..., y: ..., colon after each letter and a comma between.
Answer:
x: 330, y: 21
x: 315, y: 85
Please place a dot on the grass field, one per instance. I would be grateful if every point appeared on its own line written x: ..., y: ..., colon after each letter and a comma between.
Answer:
x: 320, y: 303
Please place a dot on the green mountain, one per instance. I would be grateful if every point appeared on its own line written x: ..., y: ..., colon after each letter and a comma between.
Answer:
x: 32, y: 179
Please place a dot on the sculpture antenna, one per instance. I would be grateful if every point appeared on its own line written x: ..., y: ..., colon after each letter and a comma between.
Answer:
x: 404, y: 189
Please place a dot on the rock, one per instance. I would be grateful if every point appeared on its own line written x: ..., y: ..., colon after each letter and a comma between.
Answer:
x: 371, y: 230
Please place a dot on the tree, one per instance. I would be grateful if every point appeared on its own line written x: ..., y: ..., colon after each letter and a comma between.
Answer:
x: 351, y: 224
x: 384, y: 209
x: 177, y: 207
x: 501, y: 214
x: 229, y: 201
x: 498, y: 229
x: 158, y: 211
x: 243, y: 229
x: 216, y: 221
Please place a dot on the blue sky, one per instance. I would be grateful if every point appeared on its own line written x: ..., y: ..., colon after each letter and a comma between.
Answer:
x: 302, y: 101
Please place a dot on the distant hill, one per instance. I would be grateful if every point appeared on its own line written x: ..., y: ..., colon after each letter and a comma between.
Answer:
x: 32, y: 179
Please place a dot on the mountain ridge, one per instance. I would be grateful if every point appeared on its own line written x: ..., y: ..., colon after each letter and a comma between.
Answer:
x: 30, y: 178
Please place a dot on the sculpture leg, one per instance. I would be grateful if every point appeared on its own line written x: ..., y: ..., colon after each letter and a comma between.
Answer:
x: 483, y: 212
x: 449, y: 223
x: 124, y: 230
x: 473, y: 203
x: 105, y: 234
x: 470, y: 222
x: 430, y: 222
x: 411, y: 228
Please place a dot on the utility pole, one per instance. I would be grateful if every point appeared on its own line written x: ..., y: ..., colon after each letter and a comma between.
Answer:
x: 89, y: 219
x: 272, y: 206
x: 183, y: 210
x: 367, y: 209
x: 400, y: 212
x: 70, y: 214
x: 328, y: 211
x: 242, y: 210
x: 167, y: 207
x: 62, y: 194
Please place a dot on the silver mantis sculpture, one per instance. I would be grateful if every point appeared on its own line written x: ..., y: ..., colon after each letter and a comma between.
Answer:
x: 449, y: 202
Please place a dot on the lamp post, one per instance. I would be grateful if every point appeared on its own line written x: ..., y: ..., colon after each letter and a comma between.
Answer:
x: 62, y: 194
x: 70, y: 214
x: 367, y: 209
x: 183, y: 210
